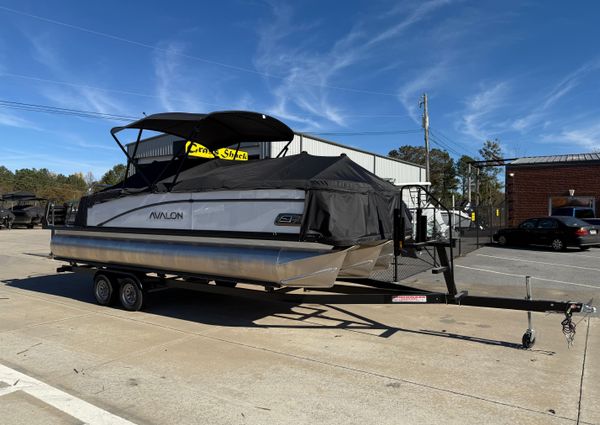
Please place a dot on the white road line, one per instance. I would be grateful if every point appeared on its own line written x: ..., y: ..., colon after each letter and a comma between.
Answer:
x: 573, y: 255
x: 538, y: 262
x: 79, y: 409
x: 533, y: 277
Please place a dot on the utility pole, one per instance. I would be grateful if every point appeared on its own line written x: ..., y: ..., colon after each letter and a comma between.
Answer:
x: 469, y: 184
x: 423, y: 103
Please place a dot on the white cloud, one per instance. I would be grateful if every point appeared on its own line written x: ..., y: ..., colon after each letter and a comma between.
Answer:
x: 413, y: 16
x: 542, y: 107
x: 569, y: 83
x: 308, y: 79
x: 180, y: 87
x: 10, y: 120
x: 14, y: 159
x: 478, y: 120
x: 583, y: 134
x: 410, y: 92
x: 73, y: 96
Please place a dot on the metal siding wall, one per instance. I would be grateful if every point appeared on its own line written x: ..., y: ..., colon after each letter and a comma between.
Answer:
x: 293, y: 148
x: 400, y: 172
x: 161, y: 147
x: 316, y: 147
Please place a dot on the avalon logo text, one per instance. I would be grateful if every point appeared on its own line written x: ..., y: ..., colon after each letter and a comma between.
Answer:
x: 162, y: 215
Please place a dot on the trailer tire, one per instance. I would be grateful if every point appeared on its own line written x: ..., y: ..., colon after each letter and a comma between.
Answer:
x: 104, y: 289
x: 131, y: 295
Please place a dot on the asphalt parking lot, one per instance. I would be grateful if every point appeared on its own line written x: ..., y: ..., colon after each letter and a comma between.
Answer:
x: 197, y: 358
x: 496, y: 270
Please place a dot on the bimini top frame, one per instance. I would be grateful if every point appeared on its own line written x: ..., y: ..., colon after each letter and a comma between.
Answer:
x: 215, y: 130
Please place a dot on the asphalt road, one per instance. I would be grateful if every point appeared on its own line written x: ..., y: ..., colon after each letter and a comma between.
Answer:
x: 191, y: 358
x: 494, y: 270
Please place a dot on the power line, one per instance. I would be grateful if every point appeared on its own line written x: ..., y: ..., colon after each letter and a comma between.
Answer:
x: 153, y: 96
x: 33, y: 107
x: 183, y: 55
x: 362, y: 133
x: 86, y: 86
x: 55, y: 110
x: 461, y: 146
x: 447, y: 141
x: 443, y: 144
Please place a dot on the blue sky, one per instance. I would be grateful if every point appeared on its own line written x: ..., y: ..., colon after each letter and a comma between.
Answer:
x: 525, y: 72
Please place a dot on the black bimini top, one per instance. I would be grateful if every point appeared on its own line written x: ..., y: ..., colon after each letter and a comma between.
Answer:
x: 217, y: 129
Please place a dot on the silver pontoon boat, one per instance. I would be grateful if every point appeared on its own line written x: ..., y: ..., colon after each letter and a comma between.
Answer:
x: 300, y: 221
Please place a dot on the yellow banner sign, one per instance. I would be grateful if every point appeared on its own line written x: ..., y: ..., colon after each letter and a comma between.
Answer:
x: 199, y: 151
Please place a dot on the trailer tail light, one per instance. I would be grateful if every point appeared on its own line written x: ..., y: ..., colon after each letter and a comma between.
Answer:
x: 582, y: 231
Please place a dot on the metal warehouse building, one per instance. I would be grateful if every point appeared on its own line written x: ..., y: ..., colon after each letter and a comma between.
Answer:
x: 536, y: 185
x: 162, y: 148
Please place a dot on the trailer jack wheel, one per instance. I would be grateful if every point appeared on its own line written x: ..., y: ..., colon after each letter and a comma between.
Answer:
x: 104, y: 289
x: 528, y: 339
x: 131, y: 294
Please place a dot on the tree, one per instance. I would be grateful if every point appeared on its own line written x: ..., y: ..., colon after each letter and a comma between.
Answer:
x: 45, y: 184
x: 7, y: 180
x: 441, y: 168
x: 114, y: 175
x: 89, y: 179
x: 490, y: 187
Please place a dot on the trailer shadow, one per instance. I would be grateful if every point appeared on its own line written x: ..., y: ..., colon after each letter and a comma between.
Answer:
x: 221, y: 310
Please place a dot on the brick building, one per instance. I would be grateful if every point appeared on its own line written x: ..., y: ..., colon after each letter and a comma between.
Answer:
x: 535, y: 185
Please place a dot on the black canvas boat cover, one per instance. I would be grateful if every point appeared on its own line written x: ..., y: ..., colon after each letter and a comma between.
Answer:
x: 346, y: 204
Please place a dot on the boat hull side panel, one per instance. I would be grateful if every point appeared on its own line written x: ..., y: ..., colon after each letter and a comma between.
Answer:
x: 237, y: 211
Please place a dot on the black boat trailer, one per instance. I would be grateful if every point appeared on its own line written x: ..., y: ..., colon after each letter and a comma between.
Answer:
x: 134, y: 284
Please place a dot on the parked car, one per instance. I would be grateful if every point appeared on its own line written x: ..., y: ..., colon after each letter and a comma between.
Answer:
x: 557, y: 232
x: 577, y: 212
x: 593, y: 221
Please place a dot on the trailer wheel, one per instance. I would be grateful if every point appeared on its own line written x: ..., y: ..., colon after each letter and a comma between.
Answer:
x: 225, y: 283
x: 131, y: 294
x: 104, y: 289
x: 528, y: 339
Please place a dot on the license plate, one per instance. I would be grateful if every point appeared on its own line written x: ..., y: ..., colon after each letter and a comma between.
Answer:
x: 593, y: 231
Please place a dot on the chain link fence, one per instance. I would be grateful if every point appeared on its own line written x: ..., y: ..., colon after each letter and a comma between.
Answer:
x: 471, y: 230
x: 487, y: 220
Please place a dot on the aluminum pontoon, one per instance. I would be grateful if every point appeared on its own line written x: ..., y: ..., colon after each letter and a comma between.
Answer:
x: 299, y: 221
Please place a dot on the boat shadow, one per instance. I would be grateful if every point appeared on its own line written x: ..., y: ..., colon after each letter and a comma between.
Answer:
x: 229, y: 311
